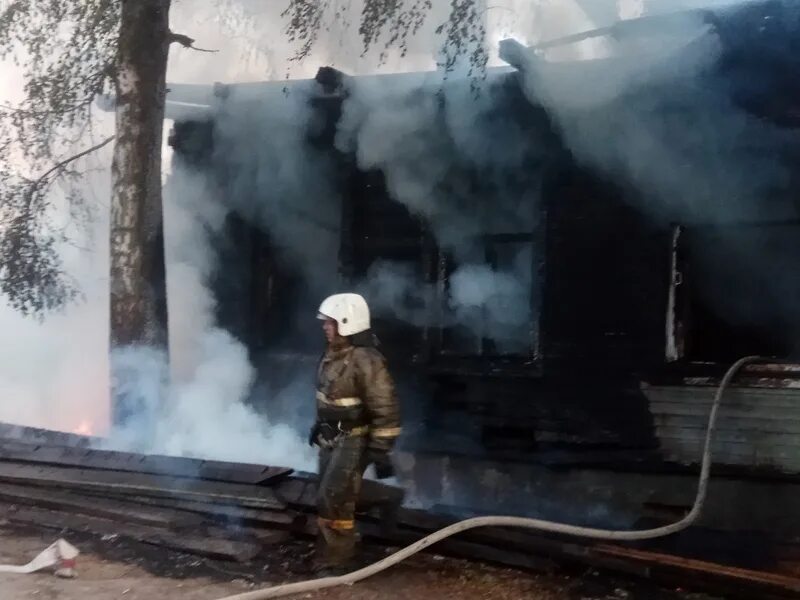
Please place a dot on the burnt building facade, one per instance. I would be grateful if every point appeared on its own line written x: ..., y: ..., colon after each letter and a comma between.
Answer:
x: 599, y: 387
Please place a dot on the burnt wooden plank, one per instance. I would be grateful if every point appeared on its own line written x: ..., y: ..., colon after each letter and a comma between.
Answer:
x: 733, y: 581
x: 527, y: 541
x: 98, y: 507
x: 301, y: 492
x: 742, y: 435
x: 165, y: 513
x: 700, y: 408
x: 746, y: 444
x: 515, y: 548
x: 113, y: 460
x: 756, y: 427
x: 734, y: 397
x: 452, y: 547
x: 37, y: 435
x: 785, y: 459
x: 219, y: 511
x: 512, y: 544
x: 241, y: 551
x: 726, y: 423
x: 271, y: 537
x: 463, y: 549
x: 664, y: 568
x: 142, y: 484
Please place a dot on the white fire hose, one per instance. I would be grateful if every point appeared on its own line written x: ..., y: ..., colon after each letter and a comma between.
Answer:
x: 548, y: 526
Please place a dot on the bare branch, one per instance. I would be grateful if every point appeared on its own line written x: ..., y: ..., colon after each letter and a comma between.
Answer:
x: 64, y: 163
x: 33, y: 113
x: 186, y: 42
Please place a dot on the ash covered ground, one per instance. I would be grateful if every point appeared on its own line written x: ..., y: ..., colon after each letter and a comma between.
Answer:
x: 114, y: 568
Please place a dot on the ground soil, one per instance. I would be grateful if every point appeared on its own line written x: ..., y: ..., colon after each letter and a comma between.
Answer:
x: 112, y: 568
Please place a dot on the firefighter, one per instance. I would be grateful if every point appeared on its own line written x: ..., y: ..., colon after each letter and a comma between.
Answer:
x: 357, y: 424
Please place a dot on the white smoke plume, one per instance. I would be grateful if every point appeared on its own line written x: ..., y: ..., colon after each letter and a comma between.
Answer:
x: 202, y: 409
x: 642, y: 115
x: 72, y: 348
x: 431, y: 135
x: 661, y: 116
x: 56, y: 373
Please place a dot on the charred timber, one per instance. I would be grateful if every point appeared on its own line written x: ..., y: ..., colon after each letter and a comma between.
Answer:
x: 87, y: 458
x: 197, y: 543
x: 233, y: 521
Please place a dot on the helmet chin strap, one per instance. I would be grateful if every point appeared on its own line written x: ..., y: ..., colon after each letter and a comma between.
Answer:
x: 339, y: 342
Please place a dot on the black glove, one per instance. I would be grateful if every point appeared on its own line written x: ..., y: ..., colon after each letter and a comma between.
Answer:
x: 384, y: 469
x: 313, y: 436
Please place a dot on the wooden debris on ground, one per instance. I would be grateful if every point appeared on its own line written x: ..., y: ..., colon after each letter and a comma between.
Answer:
x: 235, y: 512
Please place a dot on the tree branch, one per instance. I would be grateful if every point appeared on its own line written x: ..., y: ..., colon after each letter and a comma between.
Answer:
x: 186, y: 42
x: 65, y: 162
x: 33, y: 113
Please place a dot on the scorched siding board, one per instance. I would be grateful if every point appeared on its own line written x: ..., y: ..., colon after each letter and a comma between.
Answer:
x: 757, y: 427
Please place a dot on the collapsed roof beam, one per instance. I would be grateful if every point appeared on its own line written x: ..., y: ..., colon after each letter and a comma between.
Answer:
x: 514, y: 53
x: 633, y: 27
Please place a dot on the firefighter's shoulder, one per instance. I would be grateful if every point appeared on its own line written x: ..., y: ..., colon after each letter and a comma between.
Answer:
x: 368, y: 354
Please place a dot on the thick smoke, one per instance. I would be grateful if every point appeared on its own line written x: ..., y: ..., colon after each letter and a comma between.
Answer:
x: 446, y: 154
x: 55, y: 373
x: 202, y: 409
x: 279, y: 173
x: 654, y: 116
x: 184, y: 416
x: 449, y: 155
x: 277, y: 179
x: 658, y: 116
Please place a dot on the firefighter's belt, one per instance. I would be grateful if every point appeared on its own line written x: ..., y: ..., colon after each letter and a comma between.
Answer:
x: 331, y: 433
x: 340, y: 524
x: 340, y: 402
x: 357, y: 431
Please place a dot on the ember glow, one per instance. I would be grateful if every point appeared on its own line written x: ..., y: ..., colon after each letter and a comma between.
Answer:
x: 85, y: 428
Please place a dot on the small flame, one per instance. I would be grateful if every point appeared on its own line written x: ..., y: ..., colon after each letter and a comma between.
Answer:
x: 85, y: 428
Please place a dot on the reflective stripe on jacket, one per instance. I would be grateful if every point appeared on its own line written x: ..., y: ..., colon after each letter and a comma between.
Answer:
x: 354, y: 388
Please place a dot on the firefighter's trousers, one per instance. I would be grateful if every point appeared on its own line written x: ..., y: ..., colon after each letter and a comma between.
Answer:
x: 340, y: 473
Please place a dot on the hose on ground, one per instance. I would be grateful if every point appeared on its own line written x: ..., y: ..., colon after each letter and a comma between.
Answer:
x: 522, y: 522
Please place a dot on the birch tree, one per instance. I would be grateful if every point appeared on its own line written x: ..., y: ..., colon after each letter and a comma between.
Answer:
x: 72, y: 51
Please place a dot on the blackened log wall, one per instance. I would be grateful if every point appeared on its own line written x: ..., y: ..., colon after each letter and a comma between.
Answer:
x: 606, y: 278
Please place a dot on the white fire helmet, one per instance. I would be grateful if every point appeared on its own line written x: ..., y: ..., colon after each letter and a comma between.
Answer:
x: 350, y: 311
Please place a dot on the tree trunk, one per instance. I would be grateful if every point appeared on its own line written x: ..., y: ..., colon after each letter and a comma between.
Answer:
x: 138, y: 274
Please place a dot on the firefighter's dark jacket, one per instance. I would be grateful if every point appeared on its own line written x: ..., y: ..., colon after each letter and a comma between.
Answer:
x: 355, y: 392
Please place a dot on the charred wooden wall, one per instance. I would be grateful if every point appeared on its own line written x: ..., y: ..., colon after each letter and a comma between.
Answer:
x: 376, y: 228
x: 607, y: 278
x: 604, y: 275
x: 599, y: 305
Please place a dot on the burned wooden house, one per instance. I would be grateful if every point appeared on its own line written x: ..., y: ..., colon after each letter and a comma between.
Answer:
x: 633, y: 306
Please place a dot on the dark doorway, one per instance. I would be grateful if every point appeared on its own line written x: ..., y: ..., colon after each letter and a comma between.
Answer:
x: 738, y: 291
